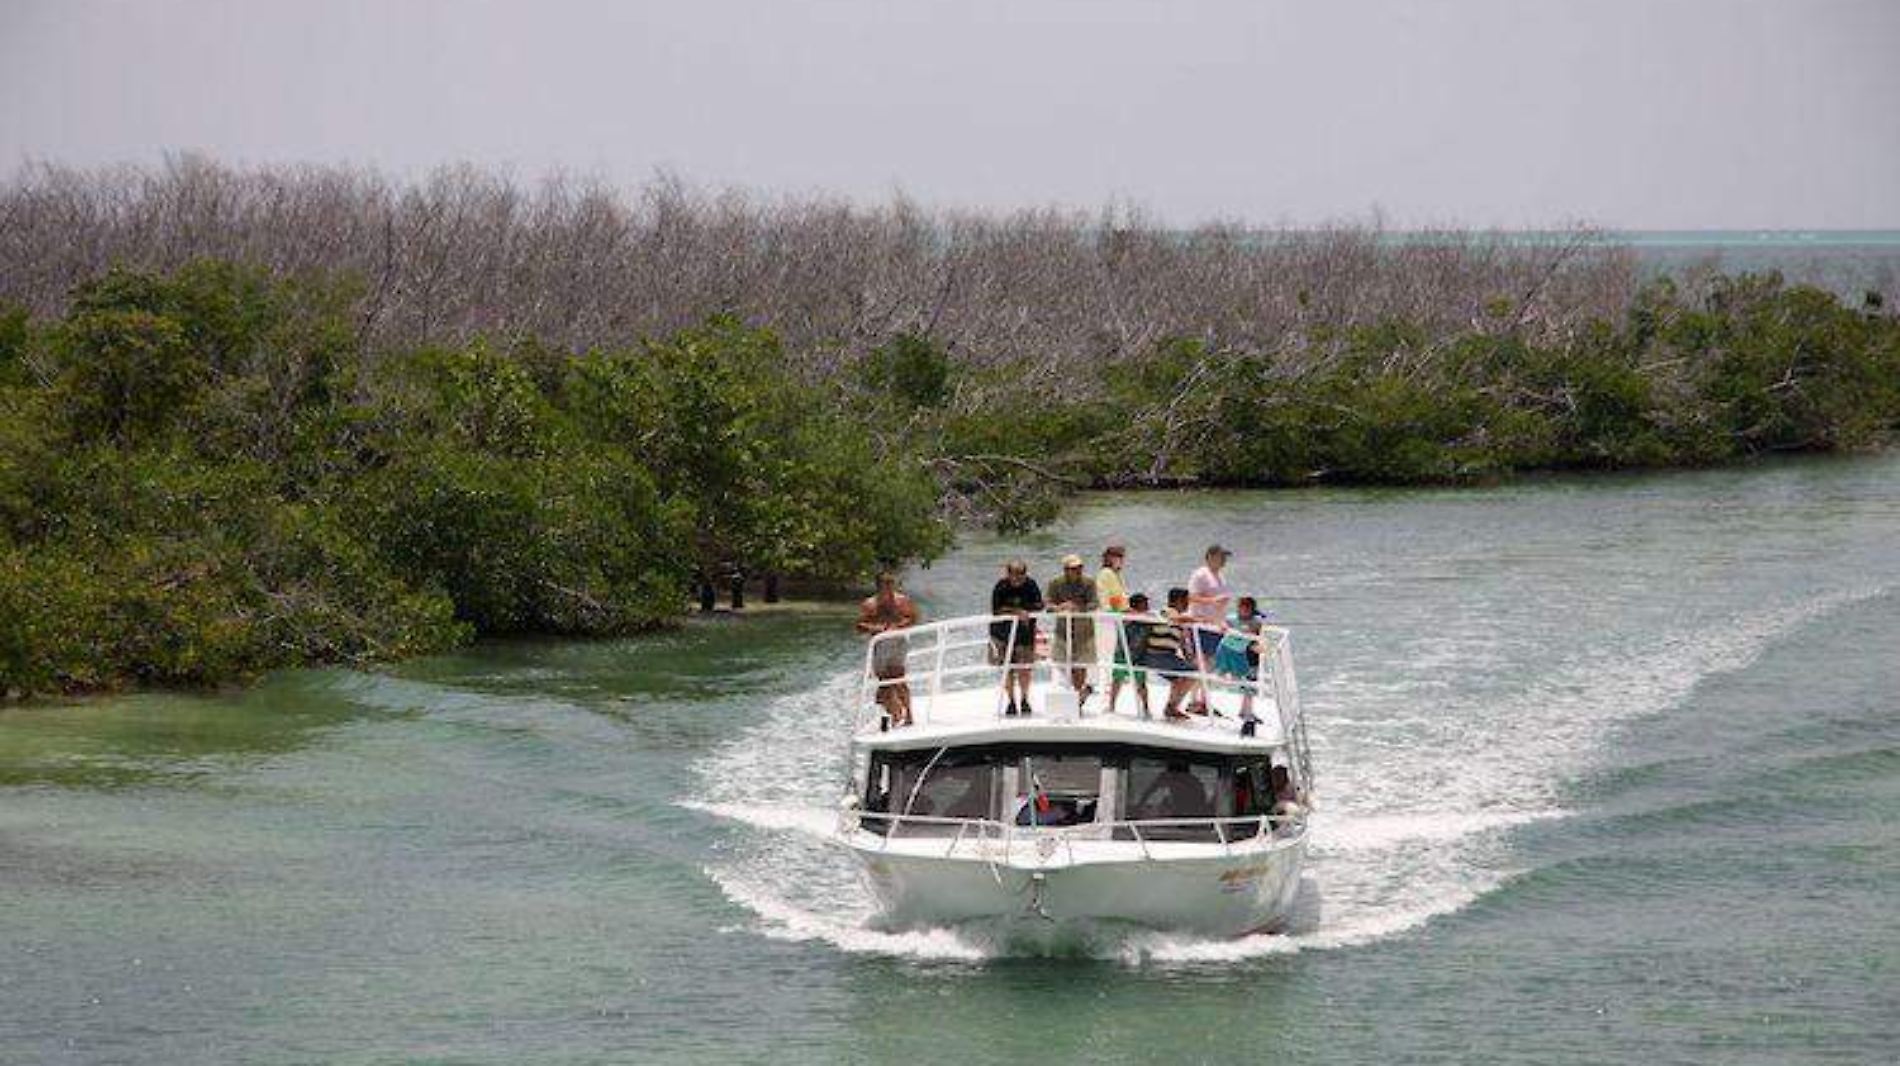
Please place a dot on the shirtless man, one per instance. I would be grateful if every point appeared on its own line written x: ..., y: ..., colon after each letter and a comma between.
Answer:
x: 883, y: 612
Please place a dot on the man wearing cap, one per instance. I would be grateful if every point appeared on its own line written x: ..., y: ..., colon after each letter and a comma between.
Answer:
x: 1074, y: 643
x: 1209, y: 596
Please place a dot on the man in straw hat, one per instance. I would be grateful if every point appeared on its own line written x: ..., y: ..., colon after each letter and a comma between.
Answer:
x: 1074, y: 643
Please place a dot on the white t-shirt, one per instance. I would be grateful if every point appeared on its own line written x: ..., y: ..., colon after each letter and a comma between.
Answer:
x: 1206, y: 583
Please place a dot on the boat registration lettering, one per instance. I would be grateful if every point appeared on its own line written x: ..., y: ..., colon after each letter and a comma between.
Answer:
x: 1241, y: 878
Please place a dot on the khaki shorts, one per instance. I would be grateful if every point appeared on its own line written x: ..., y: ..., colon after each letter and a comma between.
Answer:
x: 1022, y: 654
x: 889, y: 658
x: 1073, y: 643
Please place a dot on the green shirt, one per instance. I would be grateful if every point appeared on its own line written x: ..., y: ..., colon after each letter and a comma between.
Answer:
x: 1066, y: 589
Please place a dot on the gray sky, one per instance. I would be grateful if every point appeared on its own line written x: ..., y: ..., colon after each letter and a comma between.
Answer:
x: 1627, y: 113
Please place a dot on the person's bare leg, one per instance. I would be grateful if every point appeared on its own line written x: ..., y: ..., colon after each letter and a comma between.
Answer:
x: 1178, y: 687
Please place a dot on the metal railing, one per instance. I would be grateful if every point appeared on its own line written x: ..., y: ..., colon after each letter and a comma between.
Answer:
x: 938, y: 659
x: 1044, y: 842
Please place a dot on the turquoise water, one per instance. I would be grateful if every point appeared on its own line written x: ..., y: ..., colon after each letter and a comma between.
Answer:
x: 1609, y: 771
x: 1850, y: 263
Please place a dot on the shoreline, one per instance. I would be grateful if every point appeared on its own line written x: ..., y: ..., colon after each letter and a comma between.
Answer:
x: 810, y: 604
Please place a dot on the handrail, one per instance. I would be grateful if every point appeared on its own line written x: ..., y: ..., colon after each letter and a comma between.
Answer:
x: 1006, y: 833
x: 948, y: 656
x: 960, y: 654
x: 976, y: 633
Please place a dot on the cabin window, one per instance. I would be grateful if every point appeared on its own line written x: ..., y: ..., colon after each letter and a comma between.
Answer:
x: 1171, y: 789
x: 958, y: 785
x: 1253, y: 788
x: 1058, y: 790
x: 1053, y: 786
x: 962, y: 791
x: 1158, y: 790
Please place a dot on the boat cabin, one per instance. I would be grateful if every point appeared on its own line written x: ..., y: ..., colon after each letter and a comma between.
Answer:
x: 1213, y: 796
x: 954, y: 759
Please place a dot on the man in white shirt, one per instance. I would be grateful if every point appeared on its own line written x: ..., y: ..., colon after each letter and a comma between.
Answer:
x: 1209, y: 596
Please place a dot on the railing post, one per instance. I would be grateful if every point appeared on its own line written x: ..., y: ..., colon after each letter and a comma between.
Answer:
x: 936, y: 673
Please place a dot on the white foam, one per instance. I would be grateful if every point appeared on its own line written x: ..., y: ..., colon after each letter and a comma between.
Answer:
x: 812, y: 821
x: 845, y: 927
x: 1334, y: 834
x: 1417, y: 788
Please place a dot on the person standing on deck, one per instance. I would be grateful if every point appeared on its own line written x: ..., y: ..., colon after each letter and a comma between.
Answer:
x: 1109, y: 587
x: 1209, y: 596
x: 1112, y: 592
x: 884, y: 612
x: 1015, y: 600
x: 1073, y: 593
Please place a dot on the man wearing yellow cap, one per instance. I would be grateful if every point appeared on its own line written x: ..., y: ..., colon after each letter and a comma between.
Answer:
x: 1074, y: 642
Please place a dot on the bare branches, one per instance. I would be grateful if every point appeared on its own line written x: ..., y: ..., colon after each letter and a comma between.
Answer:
x: 988, y: 463
x: 580, y: 265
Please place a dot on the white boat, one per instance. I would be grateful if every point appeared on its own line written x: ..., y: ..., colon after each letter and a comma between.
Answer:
x: 1073, y: 813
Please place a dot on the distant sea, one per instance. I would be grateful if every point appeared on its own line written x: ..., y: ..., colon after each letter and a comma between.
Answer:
x: 1849, y: 262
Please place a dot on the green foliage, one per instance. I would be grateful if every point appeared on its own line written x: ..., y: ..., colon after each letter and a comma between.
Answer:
x: 769, y: 472
x: 216, y: 482
x: 1752, y: 366
x: 912, y: 370
x: 129, y: 376
x: 579, y: 544
x: 1017, y: 453
x: 489, y: 401
x: 203, y: 475
x: 15, y: 334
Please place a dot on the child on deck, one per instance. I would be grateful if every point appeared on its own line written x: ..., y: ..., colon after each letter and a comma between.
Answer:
x: 1166, y: 650
x: 1130, y: 649
x: 1238, y: 655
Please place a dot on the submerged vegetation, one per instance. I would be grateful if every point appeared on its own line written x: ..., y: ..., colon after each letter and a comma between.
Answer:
x: 253, y: 419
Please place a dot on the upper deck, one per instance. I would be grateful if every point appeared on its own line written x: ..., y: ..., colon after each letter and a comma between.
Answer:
x: 951, y: 674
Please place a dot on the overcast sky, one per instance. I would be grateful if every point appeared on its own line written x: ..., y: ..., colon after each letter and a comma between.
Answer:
x: 1626, y: 113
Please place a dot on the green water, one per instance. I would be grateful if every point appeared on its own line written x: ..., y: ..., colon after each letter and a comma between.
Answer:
x: 1610, y: 772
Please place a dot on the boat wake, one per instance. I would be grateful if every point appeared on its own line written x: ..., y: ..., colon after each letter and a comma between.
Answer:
x: 1415, y: 803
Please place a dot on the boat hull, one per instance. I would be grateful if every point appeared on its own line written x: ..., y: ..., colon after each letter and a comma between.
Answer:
x: 1222, y: 893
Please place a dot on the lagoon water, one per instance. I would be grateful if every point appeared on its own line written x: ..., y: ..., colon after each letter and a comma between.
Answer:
x: 1609, y: 772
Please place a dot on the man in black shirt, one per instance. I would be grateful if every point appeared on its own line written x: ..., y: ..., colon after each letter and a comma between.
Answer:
x: 1014, y: 601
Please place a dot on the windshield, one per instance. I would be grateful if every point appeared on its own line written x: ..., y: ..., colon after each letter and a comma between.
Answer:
x: 928, y: 791
x: 1058, y: 789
